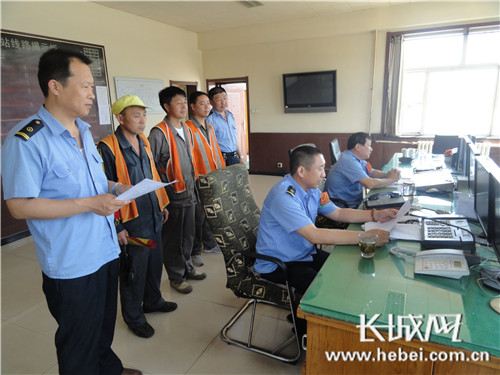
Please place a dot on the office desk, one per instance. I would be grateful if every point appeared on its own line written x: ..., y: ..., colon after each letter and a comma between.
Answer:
x: 349, y: 285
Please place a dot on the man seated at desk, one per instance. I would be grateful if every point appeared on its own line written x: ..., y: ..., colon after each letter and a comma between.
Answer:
x: 352, y: 172
x: 286, y: 226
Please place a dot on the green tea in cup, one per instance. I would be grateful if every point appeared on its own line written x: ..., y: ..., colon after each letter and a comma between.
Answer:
x: 367, y: 244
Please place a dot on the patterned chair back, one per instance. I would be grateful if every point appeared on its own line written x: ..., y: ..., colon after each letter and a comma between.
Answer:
x: 233, y: 217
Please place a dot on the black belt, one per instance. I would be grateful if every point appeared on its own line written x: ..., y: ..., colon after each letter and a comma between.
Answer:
x: 234, y: 153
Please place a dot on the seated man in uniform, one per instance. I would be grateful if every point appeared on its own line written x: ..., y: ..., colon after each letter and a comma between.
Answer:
x: 286, y: 226
x: 352, y: 172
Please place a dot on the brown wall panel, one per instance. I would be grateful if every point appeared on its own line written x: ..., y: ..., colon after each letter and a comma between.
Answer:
x: 269, y: 149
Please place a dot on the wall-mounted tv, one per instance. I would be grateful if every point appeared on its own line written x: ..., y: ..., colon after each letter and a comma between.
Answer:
x: 310, y: 92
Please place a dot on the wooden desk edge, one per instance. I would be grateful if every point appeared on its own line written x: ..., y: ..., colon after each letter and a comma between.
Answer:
x: 493, y: 363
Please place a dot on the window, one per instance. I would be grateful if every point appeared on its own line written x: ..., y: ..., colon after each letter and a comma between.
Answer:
x: 443, y: 81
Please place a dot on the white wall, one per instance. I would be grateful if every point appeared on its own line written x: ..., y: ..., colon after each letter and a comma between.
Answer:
x: 140, y: 48
x: 346, y: 42
x: 135, y: 47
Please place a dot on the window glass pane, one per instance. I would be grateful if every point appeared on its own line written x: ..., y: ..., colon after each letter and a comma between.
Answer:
x: 432, y: 51
x: 412, y: 98
x: 460, y: 102
x: 483, y: 48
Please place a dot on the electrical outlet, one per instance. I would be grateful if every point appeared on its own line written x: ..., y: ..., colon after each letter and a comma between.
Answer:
x: 280, y: 165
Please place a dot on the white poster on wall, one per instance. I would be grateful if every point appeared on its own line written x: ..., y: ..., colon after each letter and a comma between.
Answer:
x: 146, y: 89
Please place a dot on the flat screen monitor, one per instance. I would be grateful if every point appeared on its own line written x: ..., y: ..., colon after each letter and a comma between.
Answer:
x: 495, y: 204
x: 482, y: 206
x: 310, y: 92
x: 444, y: 142
x: 460, y: 162
x: 472, y: 153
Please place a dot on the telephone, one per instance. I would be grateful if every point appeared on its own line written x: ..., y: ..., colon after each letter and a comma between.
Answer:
x: 442, y: 262
x: 384, y: 200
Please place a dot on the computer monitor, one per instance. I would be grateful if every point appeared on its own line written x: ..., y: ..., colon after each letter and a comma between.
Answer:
x: 461, y: 159
x: 495, y: 205
x: 472, y: 153
x: 482, y: 201
x: 444, y: 142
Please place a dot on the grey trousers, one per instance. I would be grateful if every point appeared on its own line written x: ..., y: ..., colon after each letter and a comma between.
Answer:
x: 178, y: 237
x: 144, y: 288
x: 203, y: 235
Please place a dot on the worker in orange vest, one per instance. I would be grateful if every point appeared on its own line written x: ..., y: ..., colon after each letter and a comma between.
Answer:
x: 208, y: 158
x: 127, y: 159
x: 172, y: 145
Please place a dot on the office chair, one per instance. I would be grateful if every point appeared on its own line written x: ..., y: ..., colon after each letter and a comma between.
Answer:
x: 324, y: 222
x: 233, y: 217
x: 291, y: 150
x: 444, y: 142
x: 335, y: 150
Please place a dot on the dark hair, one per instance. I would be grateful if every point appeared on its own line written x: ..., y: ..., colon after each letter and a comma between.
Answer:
x: 303, y: 156
x: 167, y: 94
x: 356, y: 138
x: 54, y: 64
x: 193, y: 98
x: 214, y: 91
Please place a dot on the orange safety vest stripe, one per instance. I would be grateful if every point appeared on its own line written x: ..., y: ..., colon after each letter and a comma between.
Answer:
x: 173, y: 170
x: 208, y: 156
x: 129, y: 211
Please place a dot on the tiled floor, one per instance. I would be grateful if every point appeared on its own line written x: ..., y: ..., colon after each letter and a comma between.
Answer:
x: 186, y: 341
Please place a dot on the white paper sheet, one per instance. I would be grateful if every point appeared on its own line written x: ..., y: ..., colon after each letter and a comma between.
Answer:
x: 388, y: 225
x: 143, y: 187
x: 101, y: 93
x: 411, y: 232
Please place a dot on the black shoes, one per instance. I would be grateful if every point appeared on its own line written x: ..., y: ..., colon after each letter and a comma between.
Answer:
x: 166, y: 307
x: 145, y: 330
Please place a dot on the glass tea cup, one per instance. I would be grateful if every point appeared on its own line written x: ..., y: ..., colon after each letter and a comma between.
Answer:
x: 367, y: 244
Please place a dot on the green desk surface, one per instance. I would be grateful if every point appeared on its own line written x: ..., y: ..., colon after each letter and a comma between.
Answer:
x: 349, y: 285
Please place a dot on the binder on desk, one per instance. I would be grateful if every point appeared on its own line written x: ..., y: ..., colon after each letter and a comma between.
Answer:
x: 440, y: 179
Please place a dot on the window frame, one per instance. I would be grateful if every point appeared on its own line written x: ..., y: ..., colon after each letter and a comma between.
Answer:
x: 388, y: 126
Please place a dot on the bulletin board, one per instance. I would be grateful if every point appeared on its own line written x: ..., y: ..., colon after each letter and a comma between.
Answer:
x: 21, y: 94
x: 146, y: 89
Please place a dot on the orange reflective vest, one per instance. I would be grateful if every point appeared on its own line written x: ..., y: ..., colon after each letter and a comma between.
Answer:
x: 173, y: 170
x: 208, y: 155
x: 129, y: 211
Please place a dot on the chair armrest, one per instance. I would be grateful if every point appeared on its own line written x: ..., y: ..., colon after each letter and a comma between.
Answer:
x: 269, y: 258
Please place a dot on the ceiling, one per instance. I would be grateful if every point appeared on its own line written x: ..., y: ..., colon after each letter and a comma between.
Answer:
x: 202, y: 16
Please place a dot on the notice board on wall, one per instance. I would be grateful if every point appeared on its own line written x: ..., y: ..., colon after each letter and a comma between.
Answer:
x: 21, y: 94
x: 146, y: 89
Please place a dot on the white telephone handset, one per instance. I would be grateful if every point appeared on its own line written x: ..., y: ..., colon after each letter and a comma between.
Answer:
x: 442, y: 262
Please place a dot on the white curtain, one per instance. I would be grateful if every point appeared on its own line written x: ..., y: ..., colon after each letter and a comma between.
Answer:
x: 391, y: 102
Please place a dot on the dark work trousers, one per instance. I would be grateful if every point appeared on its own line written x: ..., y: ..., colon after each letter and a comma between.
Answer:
x: 177, y: 236
x: 230, y: 159
x: 144, y: 288
x: 300, y: 276
x: 85, y: 310
x: 203, y: 235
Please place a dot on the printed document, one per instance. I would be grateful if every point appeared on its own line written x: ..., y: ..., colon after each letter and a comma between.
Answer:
x: 143, y: 187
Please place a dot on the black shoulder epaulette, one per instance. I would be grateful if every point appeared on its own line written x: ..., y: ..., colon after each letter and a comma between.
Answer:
x: 30, y: 129
x: 291, y: 190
